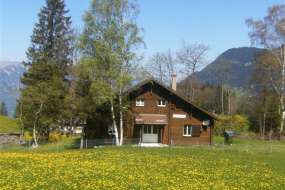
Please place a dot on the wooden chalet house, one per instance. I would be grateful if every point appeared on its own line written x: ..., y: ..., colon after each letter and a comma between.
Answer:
x: 159, y: 115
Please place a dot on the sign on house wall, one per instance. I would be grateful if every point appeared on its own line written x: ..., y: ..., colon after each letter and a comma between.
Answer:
x: 179, y: 116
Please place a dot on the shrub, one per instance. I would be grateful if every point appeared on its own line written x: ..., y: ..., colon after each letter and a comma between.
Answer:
x: 237, y: 123
x: 28, y: 136
x: 55, y: 137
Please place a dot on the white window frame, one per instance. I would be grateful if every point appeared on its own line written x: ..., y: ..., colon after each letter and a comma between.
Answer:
x: 159, y: 103
x: 149, y: 129
x: 187, y: 130
x: 140, y: 102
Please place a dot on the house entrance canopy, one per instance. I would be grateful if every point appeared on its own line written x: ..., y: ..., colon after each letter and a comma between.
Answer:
x: 154, y: 119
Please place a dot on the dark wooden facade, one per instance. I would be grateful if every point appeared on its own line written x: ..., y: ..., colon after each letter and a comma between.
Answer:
x: 168, y: 121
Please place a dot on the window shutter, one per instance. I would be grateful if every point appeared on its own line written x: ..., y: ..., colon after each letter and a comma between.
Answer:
x: 196, y: 131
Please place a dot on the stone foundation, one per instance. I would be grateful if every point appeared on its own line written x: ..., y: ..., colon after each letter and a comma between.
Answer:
x: 9, y: 138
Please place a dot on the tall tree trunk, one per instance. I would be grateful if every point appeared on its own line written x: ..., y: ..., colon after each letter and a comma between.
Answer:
x: 260, y: 125
x: 282, y: 115
x: 282, y: 88
x: 229, y: 102
x: 192, y: 85
x: 264, y: 125
x: 83, y: 135
x: 82, y: 138
x: 282, y: 106
x: 189, y: 88
x: 21, y: 122
x: 71, y: 124
x: 35, y: 145
x: 121, y: 117
x: 193, y: 94
x: 114, y: 123
x: 222, y: 99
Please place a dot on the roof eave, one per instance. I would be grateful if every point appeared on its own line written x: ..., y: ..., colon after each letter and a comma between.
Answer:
x: 172, y: 91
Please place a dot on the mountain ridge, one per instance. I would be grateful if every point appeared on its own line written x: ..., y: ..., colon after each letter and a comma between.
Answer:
x: 233, y: 67
x: 10, y: 84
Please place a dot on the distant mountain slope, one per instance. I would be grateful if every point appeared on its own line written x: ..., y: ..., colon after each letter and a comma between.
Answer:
x: 234, y: 67
x: 10, y: 74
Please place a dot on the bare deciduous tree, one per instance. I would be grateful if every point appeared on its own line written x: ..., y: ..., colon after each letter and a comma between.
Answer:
x: 191, y: 58
x: 156, y: 66
x: 162, y: 66
x: 171, y: 65
x: 269, y: 33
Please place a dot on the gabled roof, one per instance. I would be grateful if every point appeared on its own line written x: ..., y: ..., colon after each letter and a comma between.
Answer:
x: 136, y: 87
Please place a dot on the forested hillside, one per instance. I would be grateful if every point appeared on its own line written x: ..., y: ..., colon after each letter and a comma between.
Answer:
x: 233, y: 67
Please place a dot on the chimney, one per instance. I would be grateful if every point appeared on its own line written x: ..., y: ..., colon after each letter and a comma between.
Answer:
x: 173, y: 82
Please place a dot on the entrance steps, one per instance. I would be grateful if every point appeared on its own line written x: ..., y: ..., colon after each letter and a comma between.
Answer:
x: 152, y: 145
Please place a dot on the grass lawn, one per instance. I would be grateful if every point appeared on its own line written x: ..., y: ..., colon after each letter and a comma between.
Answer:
x: 55, y: 166
x: 8, y: 125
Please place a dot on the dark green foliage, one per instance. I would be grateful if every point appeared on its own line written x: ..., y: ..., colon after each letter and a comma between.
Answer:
x: 79, y: 104
x: 264, y: 103
x: 3, y: 109
x: 52, y: 36
x: 209, y: 97
x: 45, y: 84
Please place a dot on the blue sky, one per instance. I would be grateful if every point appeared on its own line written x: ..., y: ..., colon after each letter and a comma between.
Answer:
x: 217, y: 23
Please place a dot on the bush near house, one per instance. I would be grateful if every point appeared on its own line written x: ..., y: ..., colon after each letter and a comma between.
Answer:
x: 237, y: 123
x: 55, y: 137
x: 8, y: 125
x: 28, y: 136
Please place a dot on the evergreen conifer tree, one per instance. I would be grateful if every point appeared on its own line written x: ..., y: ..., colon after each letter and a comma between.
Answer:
x: 3, y: 109
x: 49, y: 56
x: 52, y: 36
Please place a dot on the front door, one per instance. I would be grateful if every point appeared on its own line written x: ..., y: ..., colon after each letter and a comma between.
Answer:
x: 150, y: 133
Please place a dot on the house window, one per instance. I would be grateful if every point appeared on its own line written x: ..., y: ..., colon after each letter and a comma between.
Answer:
x: 154, y: 129
x: 187, y: 131
x: 150, y: 129
x: 140, y: 102
x: 147, y: 129
x: 161, y: 103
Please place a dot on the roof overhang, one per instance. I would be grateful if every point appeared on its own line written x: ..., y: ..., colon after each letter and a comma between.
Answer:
x: 136, y: 87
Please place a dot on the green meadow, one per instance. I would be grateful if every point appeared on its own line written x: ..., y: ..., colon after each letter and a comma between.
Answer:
x: 8, y: 125
x: 243, y: 165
